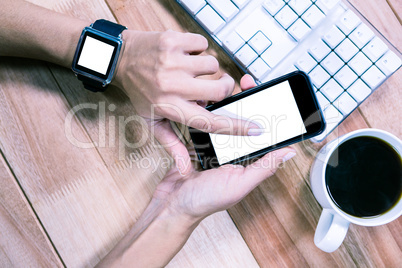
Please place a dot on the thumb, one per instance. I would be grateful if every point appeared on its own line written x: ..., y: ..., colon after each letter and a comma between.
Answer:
x: 267, y: 166
x: 166, y: 136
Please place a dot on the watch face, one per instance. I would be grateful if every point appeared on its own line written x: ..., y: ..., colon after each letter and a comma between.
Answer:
x: 96, y: 55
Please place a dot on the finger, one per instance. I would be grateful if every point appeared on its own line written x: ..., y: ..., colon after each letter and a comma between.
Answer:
x: 198, y: 65
x: 193, y: 43
x: 200, y: 118
x: 267, y: 166
x: 174, y: 147
x: 202, y: 89
x: 247, y: 82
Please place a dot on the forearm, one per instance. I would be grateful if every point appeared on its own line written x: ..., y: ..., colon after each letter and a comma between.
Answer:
x: 30, y: 31
x: 154, y: 240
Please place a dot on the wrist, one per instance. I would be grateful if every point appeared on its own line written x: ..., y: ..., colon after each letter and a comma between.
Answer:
x: 120, y: 75
x: 174, y: 220
x: 154, y: 240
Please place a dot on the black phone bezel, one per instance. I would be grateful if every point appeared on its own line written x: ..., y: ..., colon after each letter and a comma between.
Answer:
x: 307, y: 104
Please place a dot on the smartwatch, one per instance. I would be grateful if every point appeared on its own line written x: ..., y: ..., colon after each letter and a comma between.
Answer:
x: 97, y: 54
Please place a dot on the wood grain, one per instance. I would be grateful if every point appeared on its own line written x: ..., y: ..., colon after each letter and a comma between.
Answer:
x: 70, y: 189
x: 289, y: 196
x: 87, y: 199
x: 23, y: 242
x: 75, y: 197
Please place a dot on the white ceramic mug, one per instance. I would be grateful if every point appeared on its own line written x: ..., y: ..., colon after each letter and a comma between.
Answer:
x: 333, y: 223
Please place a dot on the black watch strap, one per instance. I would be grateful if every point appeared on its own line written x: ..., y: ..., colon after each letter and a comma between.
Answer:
x: 91, y: 84
x: 108, y: 27
x: 112, y: 29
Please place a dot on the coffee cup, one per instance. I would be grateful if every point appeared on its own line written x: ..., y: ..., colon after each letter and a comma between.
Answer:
x: 356, y: 178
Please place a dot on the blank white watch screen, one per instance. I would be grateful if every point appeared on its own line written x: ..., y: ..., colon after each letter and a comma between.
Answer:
x: 96, y: 55
x: 275, y: 109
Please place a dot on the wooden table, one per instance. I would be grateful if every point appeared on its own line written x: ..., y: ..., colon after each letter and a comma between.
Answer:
x: 65, y: 205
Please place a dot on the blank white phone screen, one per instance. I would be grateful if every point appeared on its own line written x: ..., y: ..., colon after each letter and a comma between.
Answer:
x: 96, y: 55
x: 274, y: 109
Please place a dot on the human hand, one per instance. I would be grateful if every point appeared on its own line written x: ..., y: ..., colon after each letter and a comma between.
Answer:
x: 160, y: 74
x: 200, y: 194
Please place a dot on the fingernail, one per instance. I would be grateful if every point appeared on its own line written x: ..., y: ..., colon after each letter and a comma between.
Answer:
x: 202, y: 103
x: 288, y: 156
x: 256, y: 124
x: 255, y: 131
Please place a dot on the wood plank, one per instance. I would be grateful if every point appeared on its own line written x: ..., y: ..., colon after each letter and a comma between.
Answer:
x: 279, y: 217
x: 86, y: 10
x: 23, y: 242
x: 396, y: 7
x: 70, y: 189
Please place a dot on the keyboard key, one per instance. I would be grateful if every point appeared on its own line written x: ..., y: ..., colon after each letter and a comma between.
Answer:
x: 373, y: 77
x: 346, y: 50
x: 331, y: 90
x: 210, y: 19
x: 322, y: 100
x: 359, y: 90
x: 319, y: 50
x: 332, y: 63
x: 299, y: 6
x: 282, y: 42
x: 361, y: 35
x: 306, y: 63
x: 348, y: 22
x: 345, y: 103
x: 286, y: 17
x: 326, y: 5
x: 259, y: 42
x: 273, y: 6
x: 389, y: 63
x: 299, y: 30
x: 256, y: 21
x: 313, y: 16
x: 233, y: 42
x: 360, y: 63
x: 375, y: 49
x: 318, y: 76
x: 259, y: 68
x: 225, y: 8
x: 246, y: 55
x: 345, y: 77
x: 240, y: 3
x: 292, y: 68
x: 193, y: 5
x: 333, y: 37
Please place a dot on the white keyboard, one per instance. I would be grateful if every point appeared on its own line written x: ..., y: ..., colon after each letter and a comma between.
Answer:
x: 345, y: 56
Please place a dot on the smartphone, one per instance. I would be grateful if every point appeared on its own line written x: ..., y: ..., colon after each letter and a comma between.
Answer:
x: 286, y: 108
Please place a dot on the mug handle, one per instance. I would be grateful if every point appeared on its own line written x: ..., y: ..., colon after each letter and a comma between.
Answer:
x: 331, y: 230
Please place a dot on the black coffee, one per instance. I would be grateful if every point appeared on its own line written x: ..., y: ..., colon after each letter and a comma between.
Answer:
x: 364, y: 176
